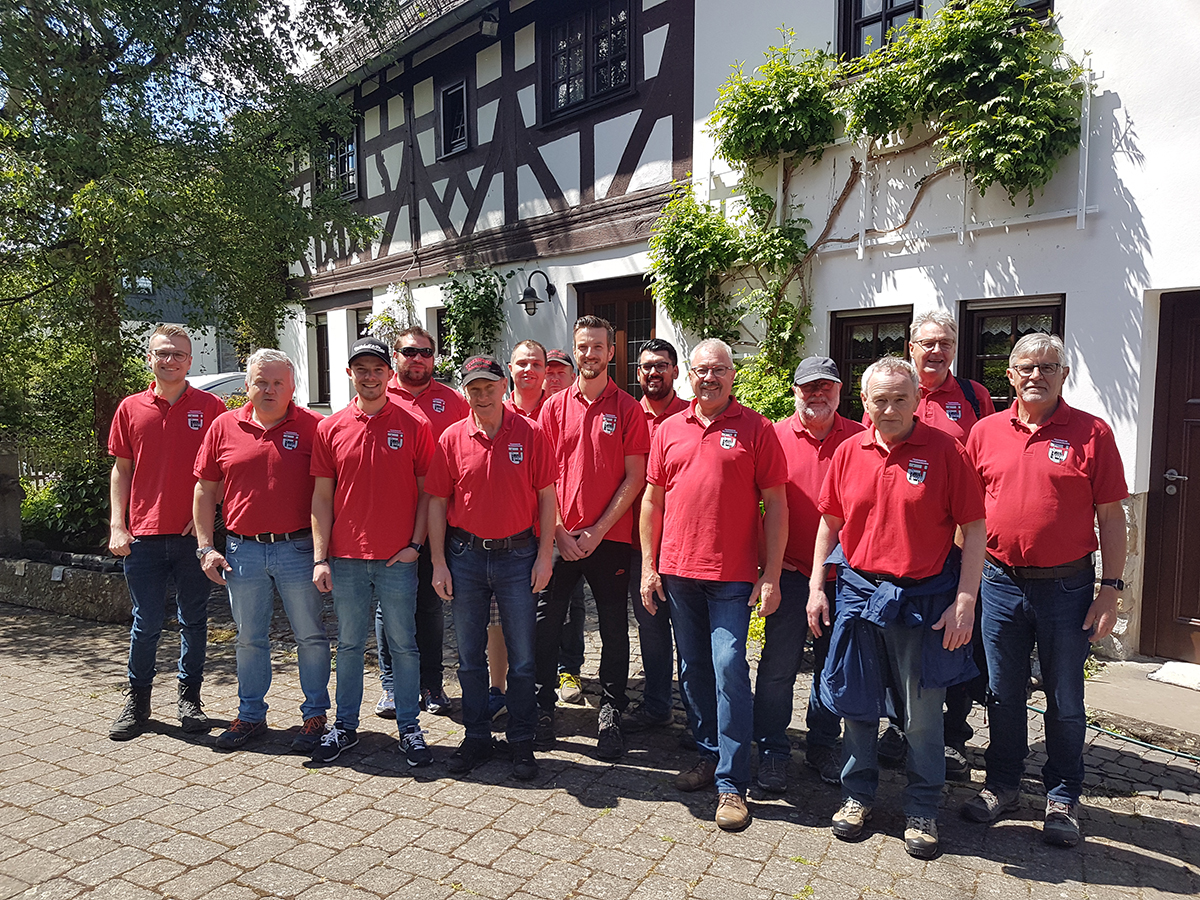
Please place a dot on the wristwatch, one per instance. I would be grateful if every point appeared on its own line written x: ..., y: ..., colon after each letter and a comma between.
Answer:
x: 413, y: 545
x: 1113, y: 583
x: 204, y: 551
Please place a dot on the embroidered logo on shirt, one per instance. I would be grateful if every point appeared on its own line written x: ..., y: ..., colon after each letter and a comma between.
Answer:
x: 609, y: 423
x: 1057, y: 451
x: 195, y: 419
x: 916, y: 470
x: 516, y: 453
x: 395, y: 439
x: 291, y: 440
x: 728, y: 438
x: 953, y: 410
x: 439, y: 405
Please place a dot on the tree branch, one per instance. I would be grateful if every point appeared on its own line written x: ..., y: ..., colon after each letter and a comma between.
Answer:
x: 8, y: 301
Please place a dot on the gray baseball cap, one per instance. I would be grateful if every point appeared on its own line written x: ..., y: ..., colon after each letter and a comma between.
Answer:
x: 816, y: 368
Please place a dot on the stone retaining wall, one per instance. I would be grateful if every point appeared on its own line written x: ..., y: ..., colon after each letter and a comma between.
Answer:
x: 100, y: 596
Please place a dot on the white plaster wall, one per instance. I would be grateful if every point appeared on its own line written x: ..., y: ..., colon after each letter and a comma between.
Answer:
x: 293, y: 340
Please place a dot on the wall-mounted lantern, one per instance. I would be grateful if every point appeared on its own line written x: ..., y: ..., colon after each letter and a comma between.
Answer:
x: 530, y: 299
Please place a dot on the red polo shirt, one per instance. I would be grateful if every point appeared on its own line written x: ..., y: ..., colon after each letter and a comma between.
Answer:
x: 441, y: 405
x: 590, y: 442
x: 162, y: 440
x: 946, y: 408
x: 807, y: 462
x: 268, y: 483
x: 714, y: 477
x: 1043, y: 486
x: 510, y: 403
x: 492, y: 484
x: 677, y: 404
x: 901, y: 507
x: 375, y: 462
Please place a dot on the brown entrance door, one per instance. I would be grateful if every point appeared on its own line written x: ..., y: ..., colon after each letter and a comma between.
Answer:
x: 626, y: 303
x: 1171, y: 599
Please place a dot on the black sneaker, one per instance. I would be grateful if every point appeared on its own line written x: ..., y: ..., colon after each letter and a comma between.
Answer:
x: 957, y: 766
x: 310, y: 735
x: 524, y: 766
x: 610, y: 743
x: 1061, y: 825
x: 772, y: 773
x: 827, y: 761
x: 134, y: 718
x: 191, y: 712
x: 238, y: 733
x: 641, y: 719
x: 892, y: 748
x: 470, y: 753
x: 412, y: 744
x: 543, y: 736
x: 335, y: 741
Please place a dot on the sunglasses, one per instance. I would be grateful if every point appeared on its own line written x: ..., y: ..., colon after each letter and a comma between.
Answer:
x: 414, y: 352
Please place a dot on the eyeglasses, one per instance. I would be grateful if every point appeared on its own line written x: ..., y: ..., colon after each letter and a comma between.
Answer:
x: 1027, y: 369
x: 714, y: 371
x: 169, y: 355
x: 414, y: 352
x: 659, y: 367
x: 930, y: 346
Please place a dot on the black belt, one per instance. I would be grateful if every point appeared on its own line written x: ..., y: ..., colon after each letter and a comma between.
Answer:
x: 878, y: 578
x: 267, y: 537
x: 474, y: 542
x: 1044, y: 573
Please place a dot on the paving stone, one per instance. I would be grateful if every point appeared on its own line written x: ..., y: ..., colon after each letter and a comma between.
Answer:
x: 423, y: 889
x: 278, y: 880
x: 110, y: 865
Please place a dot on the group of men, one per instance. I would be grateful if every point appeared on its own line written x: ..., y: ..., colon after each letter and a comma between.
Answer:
x: 903, y: 544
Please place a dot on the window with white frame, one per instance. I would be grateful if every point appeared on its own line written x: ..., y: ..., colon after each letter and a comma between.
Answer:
x: 454, y: 118
x: 589, y: 55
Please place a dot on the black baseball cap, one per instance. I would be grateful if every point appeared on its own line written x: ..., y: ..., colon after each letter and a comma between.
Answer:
x: 371, y: 346
x: 481, y: 367
x: 816, y: 368
x: 560, y: 356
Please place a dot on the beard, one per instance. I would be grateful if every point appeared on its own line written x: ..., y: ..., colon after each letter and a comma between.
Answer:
x: 416, y: 379
x: 590, y: 374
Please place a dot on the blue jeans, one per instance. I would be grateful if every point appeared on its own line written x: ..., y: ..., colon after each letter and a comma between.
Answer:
x: 711, y: 620
x: 258, y: 570
x: 431, y: 626
x: 571, y: 647
x: 152, y: 560
x: 1016, y: 615
x: 357, y: 584
x: 657, y: 645
x: 926, y: 760
x: 476, y: 576
x: 782, y: 653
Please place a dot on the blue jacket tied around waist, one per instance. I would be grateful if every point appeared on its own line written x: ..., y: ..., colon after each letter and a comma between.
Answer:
x: 855, y: 674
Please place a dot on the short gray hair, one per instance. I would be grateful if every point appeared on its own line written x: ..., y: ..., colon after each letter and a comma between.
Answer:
x: 268, y: 355
x: 894, y: 365
x: 1038, y: 343
x: 713, y: 344
x: 934, y: 317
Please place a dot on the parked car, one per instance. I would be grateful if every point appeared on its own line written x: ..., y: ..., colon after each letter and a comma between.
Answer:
x: 223, y: 384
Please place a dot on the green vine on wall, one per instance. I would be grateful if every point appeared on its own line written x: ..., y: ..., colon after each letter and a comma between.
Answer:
x: 474, y: 316
x: 982, y: 85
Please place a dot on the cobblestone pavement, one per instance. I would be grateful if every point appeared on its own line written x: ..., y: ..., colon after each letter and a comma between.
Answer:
x: 165, y: 815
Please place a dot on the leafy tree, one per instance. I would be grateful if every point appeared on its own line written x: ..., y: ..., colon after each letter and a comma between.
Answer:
x: 156, y: 138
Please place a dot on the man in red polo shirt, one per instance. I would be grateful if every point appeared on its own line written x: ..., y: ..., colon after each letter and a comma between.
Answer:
x: 658, y: 369
x: 600, y: 443
x: 895, y: 496
x: 369, y: 518
x: 527, y: 368
x: 1052, y: 474
x: 415, y: 389
x: 258, y: 458
x: 710, y: 466
x: 154, y: 438
x: 808, y: 439
x: 953, y: 405
x: 491, y: 530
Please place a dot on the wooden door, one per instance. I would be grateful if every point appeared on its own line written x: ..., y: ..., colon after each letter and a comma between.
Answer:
x: 627, y: 305
x: 1171, y: 598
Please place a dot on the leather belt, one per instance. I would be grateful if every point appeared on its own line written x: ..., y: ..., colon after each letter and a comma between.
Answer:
x: 266, y: 537
x: 1043, y: 573
x: 877, y: 578
x: 474, y: 542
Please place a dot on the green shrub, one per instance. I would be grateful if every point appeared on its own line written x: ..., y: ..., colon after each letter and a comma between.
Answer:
x: 71, y: 512
x: 765, y: 389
